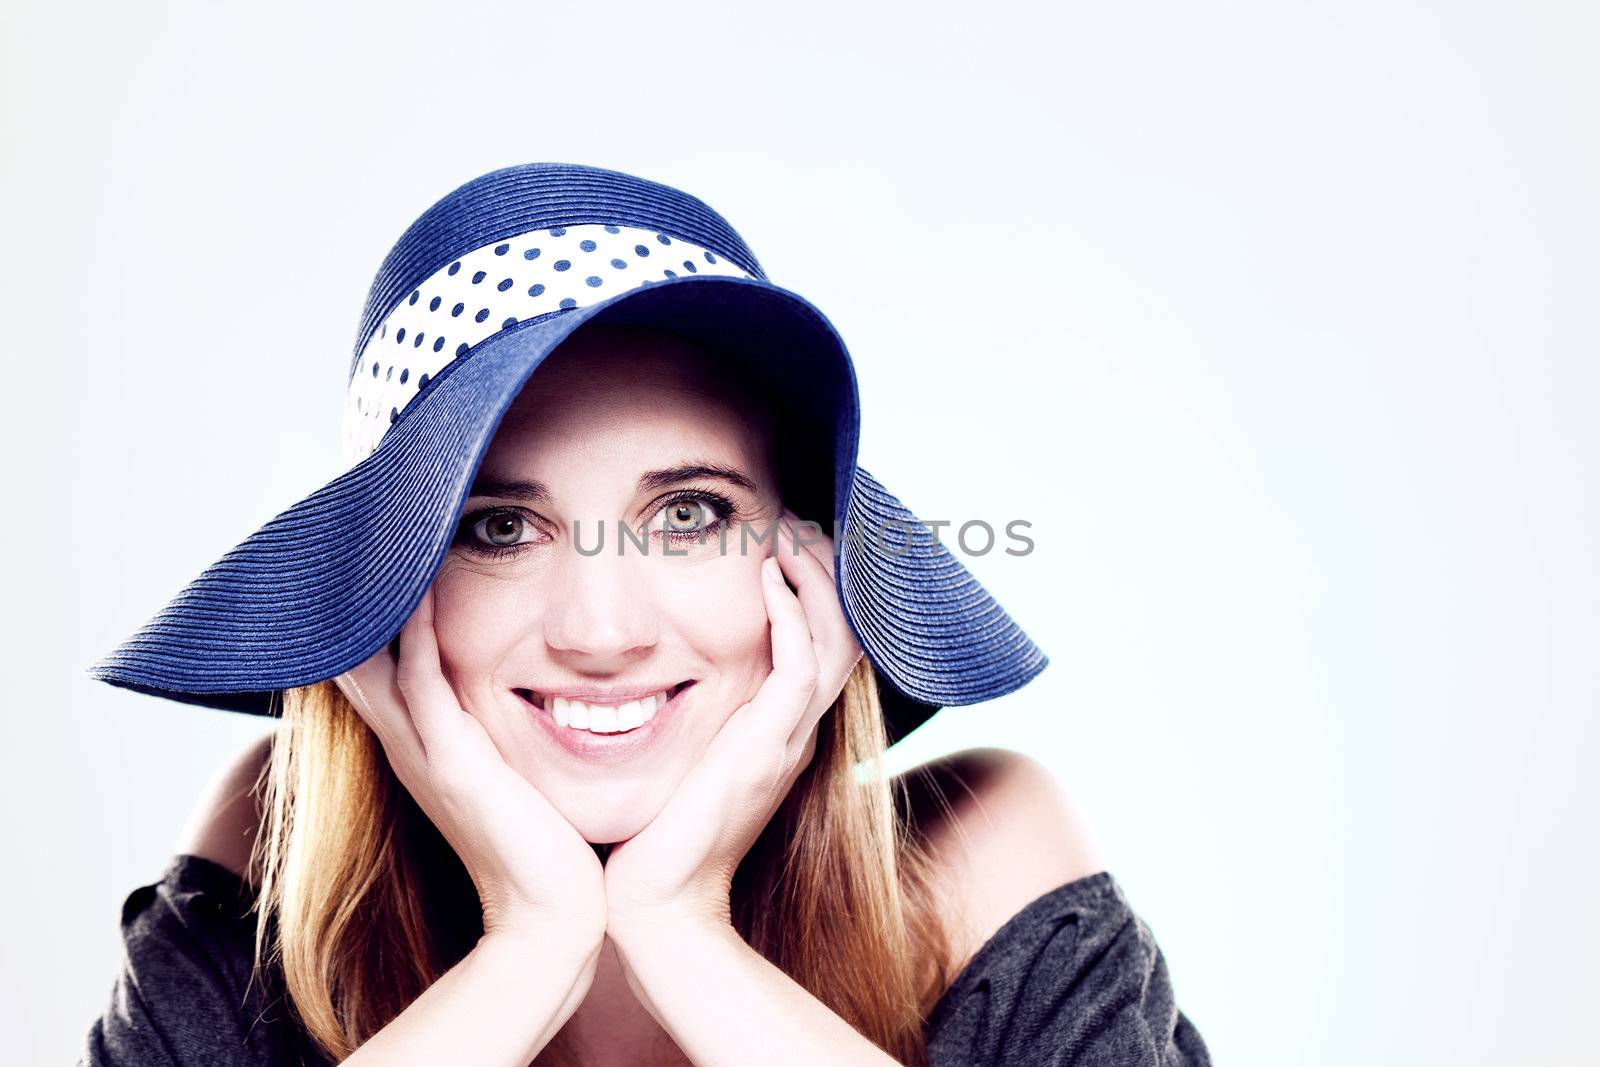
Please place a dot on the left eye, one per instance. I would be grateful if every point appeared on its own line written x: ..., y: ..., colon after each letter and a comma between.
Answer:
x: 686, y: 517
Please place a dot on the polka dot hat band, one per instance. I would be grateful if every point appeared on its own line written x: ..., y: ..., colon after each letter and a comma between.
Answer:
x: 493, y: 288
x: 466, y: 305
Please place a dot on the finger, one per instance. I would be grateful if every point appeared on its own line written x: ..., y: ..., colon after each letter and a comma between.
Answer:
x: 820, y: 598
x: 753, y: 749
x: 421, y: 678
x: 370, y: 688
x: 804, y: 539
x: 803, y: 572
x: 837, y: 650
x: 810, y: 536
x: 794, y: 657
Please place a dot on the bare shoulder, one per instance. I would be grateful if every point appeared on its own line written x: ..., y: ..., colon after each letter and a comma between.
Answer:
x: 223, y: 825
x: 1003, y: 831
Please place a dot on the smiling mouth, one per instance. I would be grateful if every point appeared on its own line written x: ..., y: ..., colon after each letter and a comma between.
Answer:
x: 598, y: 718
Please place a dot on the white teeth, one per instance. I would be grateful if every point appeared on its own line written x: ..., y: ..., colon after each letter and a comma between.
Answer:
x: 573, y: 713
x: 604, y: 718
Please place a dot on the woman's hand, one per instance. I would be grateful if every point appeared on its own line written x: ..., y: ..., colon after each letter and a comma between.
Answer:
x: 680, y: 867
x: 534, y: 872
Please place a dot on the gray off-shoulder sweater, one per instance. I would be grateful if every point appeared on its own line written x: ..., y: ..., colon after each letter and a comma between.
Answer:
x: 1074, y: 978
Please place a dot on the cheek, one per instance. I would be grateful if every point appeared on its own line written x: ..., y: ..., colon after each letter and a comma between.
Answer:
x: 479, y: 622
x: 719, y: 612
x: 476, y: 622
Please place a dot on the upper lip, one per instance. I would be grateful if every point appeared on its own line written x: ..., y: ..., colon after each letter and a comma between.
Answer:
x: 605, y: 694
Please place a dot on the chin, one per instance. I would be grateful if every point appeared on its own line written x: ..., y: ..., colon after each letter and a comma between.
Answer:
x: 608, y: 828
x: 605, y: 816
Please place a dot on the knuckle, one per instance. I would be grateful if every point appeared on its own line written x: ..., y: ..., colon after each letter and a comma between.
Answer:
x: 440, y: 752
x: 766, y: 767
x: 808, y: 676
x: 445, y: 774
x: 761, y: 780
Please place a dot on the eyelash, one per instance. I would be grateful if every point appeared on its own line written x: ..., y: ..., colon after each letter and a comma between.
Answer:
x: 727, y: 509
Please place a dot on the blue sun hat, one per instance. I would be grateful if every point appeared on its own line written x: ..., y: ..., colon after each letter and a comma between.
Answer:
x: 476, y: 293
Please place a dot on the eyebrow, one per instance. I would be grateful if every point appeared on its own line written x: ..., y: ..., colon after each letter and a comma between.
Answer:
x: 535, y: 492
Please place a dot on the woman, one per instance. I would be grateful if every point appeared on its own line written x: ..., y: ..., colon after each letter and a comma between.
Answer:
x: 581, y: 705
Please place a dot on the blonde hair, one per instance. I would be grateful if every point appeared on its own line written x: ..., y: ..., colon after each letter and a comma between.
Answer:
x: 363, y: 905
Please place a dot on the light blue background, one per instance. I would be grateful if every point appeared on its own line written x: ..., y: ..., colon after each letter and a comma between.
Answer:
x: 1276, y: 320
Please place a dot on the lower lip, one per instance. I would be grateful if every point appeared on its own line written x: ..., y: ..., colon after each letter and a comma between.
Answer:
x: 601, y: 748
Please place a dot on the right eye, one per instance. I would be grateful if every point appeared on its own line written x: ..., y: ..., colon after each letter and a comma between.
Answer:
x: 495, y: 532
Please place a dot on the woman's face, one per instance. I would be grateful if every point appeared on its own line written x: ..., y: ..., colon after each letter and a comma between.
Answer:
x: 522, y: 614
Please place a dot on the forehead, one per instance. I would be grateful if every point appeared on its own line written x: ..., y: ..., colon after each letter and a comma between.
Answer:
x: 614, y: 390
x: 602, y: 362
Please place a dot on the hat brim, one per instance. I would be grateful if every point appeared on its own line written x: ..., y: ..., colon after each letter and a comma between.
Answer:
x: 328, y: 582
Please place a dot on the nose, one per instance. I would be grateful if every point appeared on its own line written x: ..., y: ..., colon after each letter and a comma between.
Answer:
x: 599, y: 617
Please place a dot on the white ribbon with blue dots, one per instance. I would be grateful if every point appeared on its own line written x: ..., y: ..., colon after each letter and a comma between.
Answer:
x: 496, y: 286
